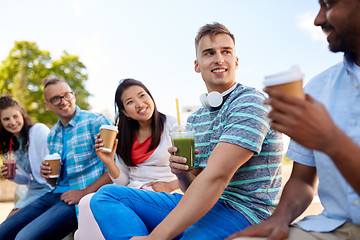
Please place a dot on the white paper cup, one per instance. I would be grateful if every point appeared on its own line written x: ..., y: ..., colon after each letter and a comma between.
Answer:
x: 54, y: 163
x: 108, y: 134
x: 290, y: 82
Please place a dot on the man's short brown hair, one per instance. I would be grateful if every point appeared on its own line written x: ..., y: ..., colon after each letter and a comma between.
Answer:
x: 212, y: 30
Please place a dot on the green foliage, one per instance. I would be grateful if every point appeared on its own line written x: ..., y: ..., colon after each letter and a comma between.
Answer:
x: 21, y: 75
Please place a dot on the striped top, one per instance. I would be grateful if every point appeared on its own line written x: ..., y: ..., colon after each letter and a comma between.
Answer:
x: 254, y: 190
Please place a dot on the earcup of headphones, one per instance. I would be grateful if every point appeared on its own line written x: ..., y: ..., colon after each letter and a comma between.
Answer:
x: 214, y: 99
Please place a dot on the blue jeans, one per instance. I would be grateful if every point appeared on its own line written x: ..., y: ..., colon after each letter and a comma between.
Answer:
x: 123, y: 212
x: 46, y: 218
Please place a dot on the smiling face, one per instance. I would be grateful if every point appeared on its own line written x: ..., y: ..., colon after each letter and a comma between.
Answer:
x: 66, y: 109
x: 216, y: 61
x: 138, y: 104
x: 12, y: 120
x: 340, y: 21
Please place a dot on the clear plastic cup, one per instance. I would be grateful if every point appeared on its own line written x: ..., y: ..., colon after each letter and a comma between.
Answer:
x: 10, y: 162
x: 183, y: 138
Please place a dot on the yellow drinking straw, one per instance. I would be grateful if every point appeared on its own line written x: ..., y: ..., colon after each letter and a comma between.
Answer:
x: 178, y: 113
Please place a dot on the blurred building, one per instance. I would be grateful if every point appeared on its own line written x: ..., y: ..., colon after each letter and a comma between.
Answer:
x: 188, y: 110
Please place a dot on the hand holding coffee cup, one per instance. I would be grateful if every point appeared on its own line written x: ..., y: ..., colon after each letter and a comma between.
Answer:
x: 54, y: 162
x: 106, y: 157
x: 290, y: 82
x: 108, y: 135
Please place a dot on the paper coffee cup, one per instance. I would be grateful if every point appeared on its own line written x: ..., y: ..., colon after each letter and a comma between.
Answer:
x: 108, y: 134
x: 290, y: 82
x: 54, y: 163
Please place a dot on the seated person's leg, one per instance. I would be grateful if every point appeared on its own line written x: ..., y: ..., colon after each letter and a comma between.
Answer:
x: 88, y: 228
x: 131, y: 212
x: 56, y: 223
x: 347, y: 231
x: 12, y: 225
x: 220, y: 222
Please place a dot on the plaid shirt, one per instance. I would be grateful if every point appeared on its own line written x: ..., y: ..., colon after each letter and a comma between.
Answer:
x: 83, y: 166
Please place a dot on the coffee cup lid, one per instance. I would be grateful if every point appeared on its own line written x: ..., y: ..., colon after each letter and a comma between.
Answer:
x: 109, y: 127
x: 53, y: 156
x: 291, y: 75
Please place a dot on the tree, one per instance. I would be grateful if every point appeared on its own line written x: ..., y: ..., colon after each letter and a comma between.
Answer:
x: 21, y: 74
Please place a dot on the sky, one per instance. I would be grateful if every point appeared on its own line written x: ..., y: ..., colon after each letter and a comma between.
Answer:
x: 153, y: 41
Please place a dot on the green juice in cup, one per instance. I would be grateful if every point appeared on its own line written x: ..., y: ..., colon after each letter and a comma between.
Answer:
x: 186, y: 149
x: 183, y: 139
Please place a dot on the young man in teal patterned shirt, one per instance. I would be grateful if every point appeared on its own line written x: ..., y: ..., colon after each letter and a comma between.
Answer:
x: 238, y: 179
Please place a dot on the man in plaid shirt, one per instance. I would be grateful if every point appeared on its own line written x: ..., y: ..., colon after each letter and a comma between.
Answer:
x: 53, y: 216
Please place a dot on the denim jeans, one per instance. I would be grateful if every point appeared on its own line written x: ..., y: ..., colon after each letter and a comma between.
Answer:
x: 123, y: 212
x: 46, y: 218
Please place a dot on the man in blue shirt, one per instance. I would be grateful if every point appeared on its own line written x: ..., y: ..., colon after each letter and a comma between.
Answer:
x: 325, y: 139
x: 53, y: 216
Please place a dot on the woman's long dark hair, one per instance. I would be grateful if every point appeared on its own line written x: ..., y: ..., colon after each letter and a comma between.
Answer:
x: 127, y: 126
x: 5, y: 136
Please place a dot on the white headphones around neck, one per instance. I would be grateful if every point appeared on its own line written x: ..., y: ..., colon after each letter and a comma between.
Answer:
x: 214, y: 99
